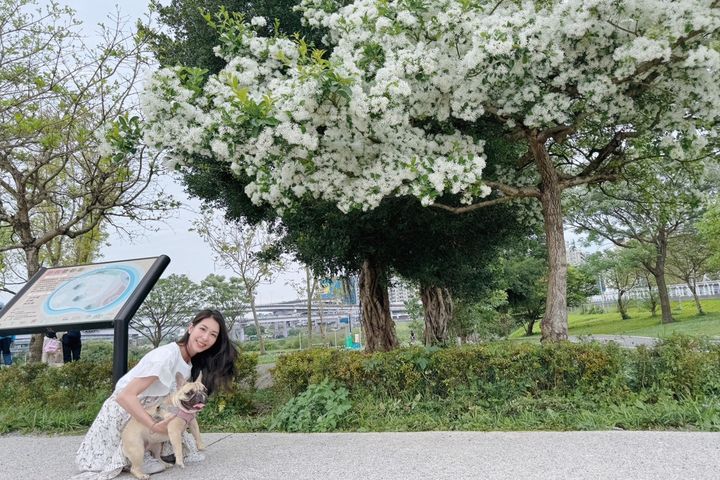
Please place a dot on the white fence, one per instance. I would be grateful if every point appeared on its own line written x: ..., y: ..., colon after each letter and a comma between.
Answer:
x: 680, y: 291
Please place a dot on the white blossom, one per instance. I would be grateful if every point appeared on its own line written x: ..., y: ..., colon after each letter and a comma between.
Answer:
x: 362, y: 126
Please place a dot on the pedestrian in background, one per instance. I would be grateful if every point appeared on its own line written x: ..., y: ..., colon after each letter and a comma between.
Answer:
x: 71, y: 346
x: 52, y: 348
x: 5, y: 343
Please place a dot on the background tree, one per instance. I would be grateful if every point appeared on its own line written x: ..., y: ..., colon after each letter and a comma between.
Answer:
x: 69, y: 153
x: 307, y: 289
x: 647, y: 281
x: 239, y: 247
x: 486, y: 319
x: 525, y: 281
x: 581, y: 285
x: 709, y: 229
x: 653, y: 205
x: 523, y: 276
x: 688, y: 260
x: 618, y: 269
x: 252, y: 331
x: 226, y: 295
x: 378, y: 117
x: 167, y: 309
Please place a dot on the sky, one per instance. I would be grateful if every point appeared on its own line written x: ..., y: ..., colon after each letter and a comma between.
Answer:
x: 188, y: 253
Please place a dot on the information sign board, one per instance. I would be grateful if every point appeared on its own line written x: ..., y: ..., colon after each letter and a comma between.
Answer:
x: 82, y: 297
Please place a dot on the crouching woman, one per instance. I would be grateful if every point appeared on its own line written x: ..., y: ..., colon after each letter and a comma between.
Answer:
x: 205, y: 347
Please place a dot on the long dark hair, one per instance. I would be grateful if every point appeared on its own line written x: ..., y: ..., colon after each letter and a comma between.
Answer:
x: 217, y: 363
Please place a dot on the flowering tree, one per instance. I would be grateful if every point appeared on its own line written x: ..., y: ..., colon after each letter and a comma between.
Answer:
x: 394, y: 109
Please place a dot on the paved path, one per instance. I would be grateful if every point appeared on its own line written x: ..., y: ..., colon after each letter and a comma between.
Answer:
x: 408, y: 456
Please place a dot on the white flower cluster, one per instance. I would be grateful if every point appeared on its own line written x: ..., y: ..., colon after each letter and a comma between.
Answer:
x: 385, y: 114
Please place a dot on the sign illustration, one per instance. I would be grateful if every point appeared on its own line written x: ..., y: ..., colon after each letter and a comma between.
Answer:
x: 79, y: 295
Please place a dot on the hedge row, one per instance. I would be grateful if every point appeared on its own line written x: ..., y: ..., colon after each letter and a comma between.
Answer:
x: 681, y: 366
x: 86, y: 384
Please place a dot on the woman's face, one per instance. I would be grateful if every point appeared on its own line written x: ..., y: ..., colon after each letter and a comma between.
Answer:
x: 203, y: 335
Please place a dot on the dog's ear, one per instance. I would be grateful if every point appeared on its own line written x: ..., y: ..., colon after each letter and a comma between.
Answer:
x: 179, y: 380
x: 199, y: 378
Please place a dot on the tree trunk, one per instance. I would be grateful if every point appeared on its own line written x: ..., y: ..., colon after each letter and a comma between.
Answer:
x: 321, y: 323
x: 621, y: 306
x: 554, y: 325
x: 310, y: 289
x: 665, y: 307
x: 659, y: 273
x: 377, y: 322
x: 438, y: 305
x: 32, y: 261
x: 258, y: 330
x: 651, y: 296
x: 529, y: 327
x: 693, y: 289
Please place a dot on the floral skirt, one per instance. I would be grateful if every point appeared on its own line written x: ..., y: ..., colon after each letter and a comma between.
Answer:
x: 100, y: 455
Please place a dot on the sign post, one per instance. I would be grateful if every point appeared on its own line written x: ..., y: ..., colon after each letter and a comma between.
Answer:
x: 99, y: 295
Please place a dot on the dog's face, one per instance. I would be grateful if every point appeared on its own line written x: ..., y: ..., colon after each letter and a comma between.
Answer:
x: 191, y: 395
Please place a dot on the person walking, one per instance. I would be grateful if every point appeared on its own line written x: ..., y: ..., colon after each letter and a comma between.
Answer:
x: 5, y: 343
x: 52, y: 348
x: 205, y: 348
x: 71, y: 346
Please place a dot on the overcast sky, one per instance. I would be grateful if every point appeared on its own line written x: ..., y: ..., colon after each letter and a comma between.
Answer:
x: 188, y: 253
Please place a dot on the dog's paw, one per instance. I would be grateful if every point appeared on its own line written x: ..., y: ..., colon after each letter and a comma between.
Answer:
x: 139, y: 475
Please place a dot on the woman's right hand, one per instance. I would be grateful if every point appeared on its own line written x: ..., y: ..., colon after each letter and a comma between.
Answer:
x: 128, y: 399
x: 161, y: 427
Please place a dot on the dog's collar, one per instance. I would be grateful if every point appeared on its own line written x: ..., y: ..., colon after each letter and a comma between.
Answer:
x: 186, y: 415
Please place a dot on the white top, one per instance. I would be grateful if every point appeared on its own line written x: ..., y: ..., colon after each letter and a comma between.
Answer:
x: 163, y: 362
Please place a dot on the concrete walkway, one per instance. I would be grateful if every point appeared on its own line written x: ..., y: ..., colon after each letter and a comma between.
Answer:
x: 411, y: 456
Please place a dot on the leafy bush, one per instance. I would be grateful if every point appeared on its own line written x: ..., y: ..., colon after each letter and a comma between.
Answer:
x: 680, y: 366
x: 102, y: 351
x: 495, y: 386
x: 321, y: 408
x: 73, y: 385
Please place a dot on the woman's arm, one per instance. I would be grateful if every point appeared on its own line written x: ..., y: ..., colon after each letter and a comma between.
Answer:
x: 127, y: 398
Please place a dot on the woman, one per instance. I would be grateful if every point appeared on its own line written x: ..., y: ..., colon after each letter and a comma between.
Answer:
x: 205, y: 347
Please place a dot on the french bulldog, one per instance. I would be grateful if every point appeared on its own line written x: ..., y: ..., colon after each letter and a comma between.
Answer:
x: 182, y: 406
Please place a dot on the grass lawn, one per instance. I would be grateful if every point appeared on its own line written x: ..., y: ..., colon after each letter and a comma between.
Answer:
x: 641, y: 324
x: 687, y: 321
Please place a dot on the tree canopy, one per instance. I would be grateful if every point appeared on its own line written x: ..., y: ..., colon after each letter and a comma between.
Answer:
x: 393, y: 109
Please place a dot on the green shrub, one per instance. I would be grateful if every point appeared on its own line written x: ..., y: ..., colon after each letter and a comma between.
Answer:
x: 321, y: 408
x: 502, y: 371
x: 73, y: 385
x: 494, y: 386
x: 681, y: 366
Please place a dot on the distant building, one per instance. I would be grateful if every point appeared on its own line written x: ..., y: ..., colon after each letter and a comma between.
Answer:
x: 575, y: 256
x: 400, y: 292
